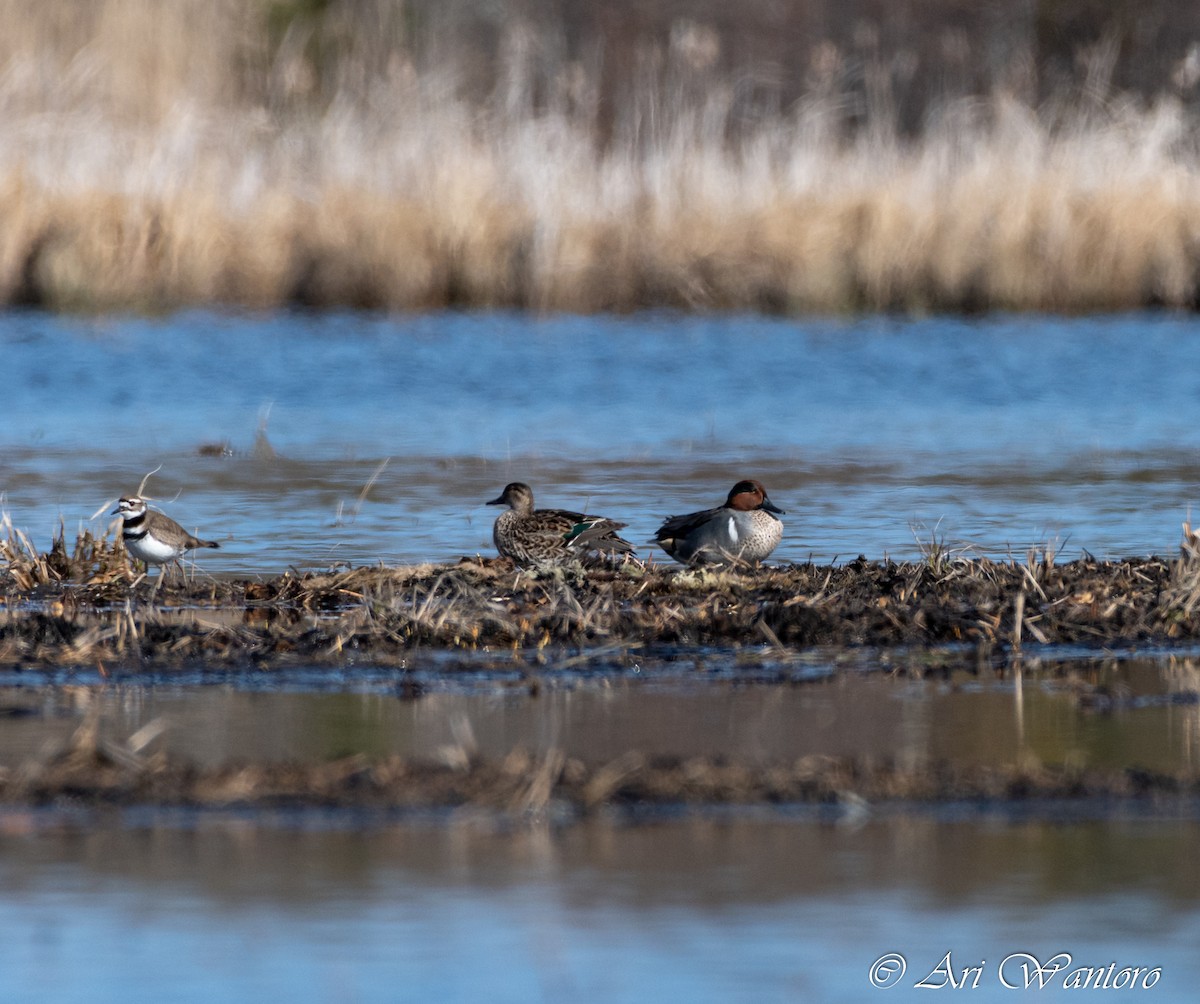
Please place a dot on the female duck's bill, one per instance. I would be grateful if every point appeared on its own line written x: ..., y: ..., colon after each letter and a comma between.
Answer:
x: 745, y: 530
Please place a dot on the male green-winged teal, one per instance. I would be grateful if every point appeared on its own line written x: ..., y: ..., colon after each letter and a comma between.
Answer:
x: 743, y: 530
x: 550, y: 536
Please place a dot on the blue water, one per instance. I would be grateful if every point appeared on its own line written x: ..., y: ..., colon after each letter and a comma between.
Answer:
x: 705, y: 911
x: 877, y: 435
x: 606, y: 388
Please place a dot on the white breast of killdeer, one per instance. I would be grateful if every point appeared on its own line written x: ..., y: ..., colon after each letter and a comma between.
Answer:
x: 151, y: 536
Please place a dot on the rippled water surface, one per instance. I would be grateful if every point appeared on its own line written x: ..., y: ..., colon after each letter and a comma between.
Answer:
x: 999, y: 433
x: 714, y: 910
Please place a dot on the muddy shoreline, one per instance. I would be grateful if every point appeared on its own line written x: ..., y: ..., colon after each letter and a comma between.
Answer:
x: 382, y: 615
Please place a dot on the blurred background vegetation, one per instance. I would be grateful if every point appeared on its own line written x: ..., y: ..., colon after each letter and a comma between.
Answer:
x: 606, y: 62
x: 565, y: 154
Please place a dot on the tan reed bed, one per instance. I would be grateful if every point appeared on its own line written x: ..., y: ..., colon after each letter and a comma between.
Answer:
x: 139, y: 170
x: 1002, y: 213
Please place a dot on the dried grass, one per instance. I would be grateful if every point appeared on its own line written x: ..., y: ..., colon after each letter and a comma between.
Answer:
x: 93, y: 561
x: 138, y: 170
x: 492, y: 611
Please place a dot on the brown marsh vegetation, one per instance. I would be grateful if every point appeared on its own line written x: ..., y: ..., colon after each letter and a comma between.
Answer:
x: 562, y: 155
x: 85, y: 608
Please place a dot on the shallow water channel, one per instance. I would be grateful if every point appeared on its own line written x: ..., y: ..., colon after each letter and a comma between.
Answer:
x: 878, y: 436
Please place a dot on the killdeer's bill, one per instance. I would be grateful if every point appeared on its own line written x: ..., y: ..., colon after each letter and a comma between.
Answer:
x: 153, y: 537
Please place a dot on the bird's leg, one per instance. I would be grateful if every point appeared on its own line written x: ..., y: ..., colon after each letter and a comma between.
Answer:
x: 157, y: 579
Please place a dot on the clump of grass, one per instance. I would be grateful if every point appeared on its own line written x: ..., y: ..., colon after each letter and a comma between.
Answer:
x: 939, y: 556
x: 92, y: 560
x: 1183, y: 595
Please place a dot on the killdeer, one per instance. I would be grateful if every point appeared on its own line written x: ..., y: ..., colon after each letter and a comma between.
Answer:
x: 153, y: 537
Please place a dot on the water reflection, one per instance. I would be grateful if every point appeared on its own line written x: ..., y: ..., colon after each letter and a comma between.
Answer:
x: 707, y: 910
x: 1107, y: 713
